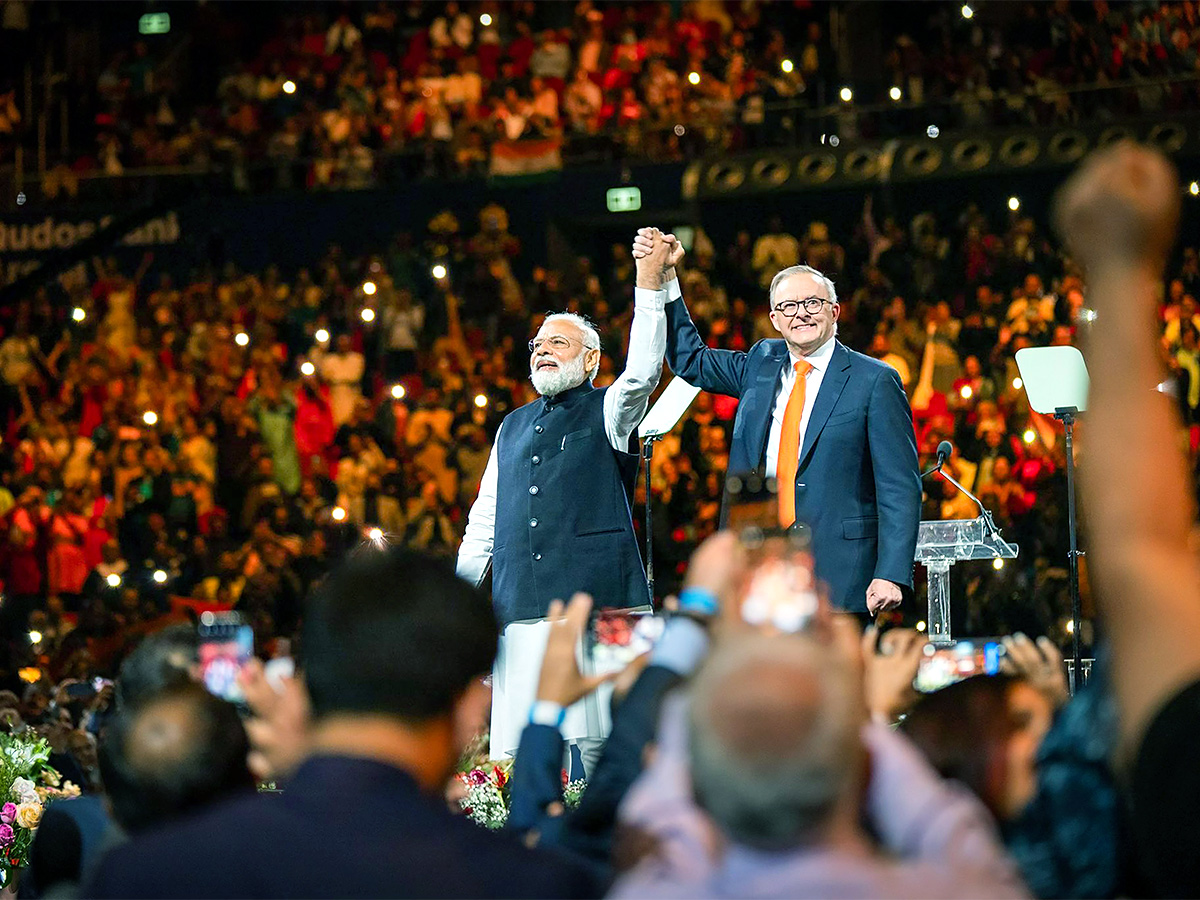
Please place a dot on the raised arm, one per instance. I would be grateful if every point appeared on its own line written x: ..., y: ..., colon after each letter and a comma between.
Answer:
x: 627, y: 398
x: 720, y: 371
x: 1119, y: 215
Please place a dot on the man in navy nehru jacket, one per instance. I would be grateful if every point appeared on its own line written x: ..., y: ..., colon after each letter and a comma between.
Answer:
x: 552, y: 516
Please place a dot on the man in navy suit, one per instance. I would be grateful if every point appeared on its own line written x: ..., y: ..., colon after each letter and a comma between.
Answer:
x: 855, y: 476
x: 395, y: 651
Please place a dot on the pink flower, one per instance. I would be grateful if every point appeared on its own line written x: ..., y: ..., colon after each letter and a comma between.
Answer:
x: 8, y: 813
x: 477, y: 777
x: 6, y: 833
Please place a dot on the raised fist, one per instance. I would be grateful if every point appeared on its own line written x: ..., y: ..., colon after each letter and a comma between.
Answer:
x: 1121, y: 206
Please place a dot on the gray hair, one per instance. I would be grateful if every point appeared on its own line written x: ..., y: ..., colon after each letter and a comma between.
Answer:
x: 801, y: 270
x: 774, y: 738
x: 591, y: 337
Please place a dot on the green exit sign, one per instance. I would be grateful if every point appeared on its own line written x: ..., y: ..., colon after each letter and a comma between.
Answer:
x: 624, y: 199
x: 154, y: 23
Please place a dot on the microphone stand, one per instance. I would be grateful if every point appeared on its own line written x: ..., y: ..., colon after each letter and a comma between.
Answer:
x: 648, y: 452
x: 984, y: 512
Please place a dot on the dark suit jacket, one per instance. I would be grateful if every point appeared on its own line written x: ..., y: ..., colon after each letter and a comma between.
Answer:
x: 858, y: 485
x: 343, y: 827
x: 536, y: 782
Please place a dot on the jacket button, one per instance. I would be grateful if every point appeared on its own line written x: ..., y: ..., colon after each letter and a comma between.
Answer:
x: 533, y: 489
x: 538, y: 428
x: 533, y: 523
x: 536, y: 460
x: 537, y: 556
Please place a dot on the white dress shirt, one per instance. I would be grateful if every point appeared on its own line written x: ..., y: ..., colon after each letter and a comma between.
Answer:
x: 624, y: 408
x: 819, y: 360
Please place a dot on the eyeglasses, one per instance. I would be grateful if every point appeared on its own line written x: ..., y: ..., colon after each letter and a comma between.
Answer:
x: 812, y: 306
x: 555, y: 342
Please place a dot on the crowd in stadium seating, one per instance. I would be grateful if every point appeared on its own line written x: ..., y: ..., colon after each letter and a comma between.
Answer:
x: 328, y: 101
x: 225, y: 438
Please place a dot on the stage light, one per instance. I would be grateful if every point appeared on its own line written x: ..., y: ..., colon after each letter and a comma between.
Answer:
x: 35, y: 637
x: 322, y: 336
x: 932, y: 131
x: 481, y: 400
x: 1029, y: 436
x: 1194, y: 188
x: 997, y: 564
x: 895, y: 93
x: 1070, y: 626
x: 834, y: 140
x: 693, y: 78
x: 485, y: 20
x: 160, y: 577
x: 241, y: 339
x: 1087, y: 315
x: 307, y: 369
x: 368, y: 314
x: 438, y: 271
x: 113, y: 580
x: 78, y: 314
x: 369, y: 288
x: 398, y: 392
x: 787, y: 66
x: 150, y: 417
x: 375, y: 534
x: 680, y: 131
x: 846, y: 94
x: 967, y: 12
x: 289, y: 87
x: 1018, y: 383
x: 921, y: 625
x: 966, y: 392
x: 339, y: 514
x: 1014, y: 204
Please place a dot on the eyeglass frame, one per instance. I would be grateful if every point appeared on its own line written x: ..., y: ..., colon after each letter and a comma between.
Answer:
x: 802, y: 304
x: 535, y: 344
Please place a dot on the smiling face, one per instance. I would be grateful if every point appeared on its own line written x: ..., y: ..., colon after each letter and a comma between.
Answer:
x: 804, y: 331
x: 554, y: 369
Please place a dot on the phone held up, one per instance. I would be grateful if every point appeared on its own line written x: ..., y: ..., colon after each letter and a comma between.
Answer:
x: 942, y: 666
x: 781, y: 592
x: 226, y: 645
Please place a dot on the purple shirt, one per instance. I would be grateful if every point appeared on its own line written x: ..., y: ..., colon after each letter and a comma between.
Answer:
x: 937, y: 839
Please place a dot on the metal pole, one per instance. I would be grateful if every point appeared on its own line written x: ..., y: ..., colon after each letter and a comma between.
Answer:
x: 647, y: 453
x: 1067, y: 416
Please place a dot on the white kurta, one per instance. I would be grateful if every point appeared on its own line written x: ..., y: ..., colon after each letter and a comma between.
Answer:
x: 522, y: 645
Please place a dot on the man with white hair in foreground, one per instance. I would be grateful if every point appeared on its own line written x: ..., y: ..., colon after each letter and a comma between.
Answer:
x: 553, y: 512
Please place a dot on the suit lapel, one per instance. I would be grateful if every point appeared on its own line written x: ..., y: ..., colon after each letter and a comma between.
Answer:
x: 831, y: 388
x: 762, y: 400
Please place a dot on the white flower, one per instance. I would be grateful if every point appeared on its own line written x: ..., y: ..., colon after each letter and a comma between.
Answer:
x: 24, y: 790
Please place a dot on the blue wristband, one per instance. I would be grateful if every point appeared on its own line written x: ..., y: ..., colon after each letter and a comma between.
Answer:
x: 544, y: 712
x: 698, y: 601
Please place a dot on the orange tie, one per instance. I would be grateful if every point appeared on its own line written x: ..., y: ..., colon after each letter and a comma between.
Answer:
x: 789, y: 447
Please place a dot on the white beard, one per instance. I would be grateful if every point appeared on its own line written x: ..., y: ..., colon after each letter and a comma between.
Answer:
x: 549, y: 382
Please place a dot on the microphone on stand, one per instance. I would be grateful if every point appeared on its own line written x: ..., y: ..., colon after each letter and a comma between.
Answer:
x: 945, y: 448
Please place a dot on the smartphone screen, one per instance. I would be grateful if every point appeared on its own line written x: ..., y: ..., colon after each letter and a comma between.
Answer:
x: 943, y: 666
x: 226, y: 644
x: 616, y: 637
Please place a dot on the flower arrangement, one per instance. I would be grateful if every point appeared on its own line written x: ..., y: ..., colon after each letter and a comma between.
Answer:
x: 486, y: 798
x: 27, y: 784
x: 484, y: 785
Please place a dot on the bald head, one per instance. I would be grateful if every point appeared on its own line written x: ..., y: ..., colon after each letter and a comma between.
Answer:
x: 774, y: 739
